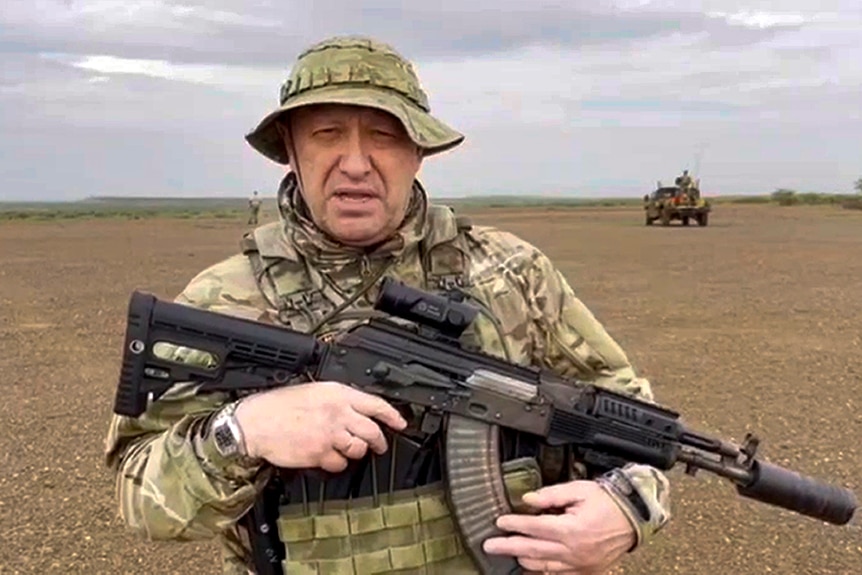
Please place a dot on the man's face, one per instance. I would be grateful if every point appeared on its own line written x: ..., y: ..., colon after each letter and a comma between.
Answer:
x: 357, y: 167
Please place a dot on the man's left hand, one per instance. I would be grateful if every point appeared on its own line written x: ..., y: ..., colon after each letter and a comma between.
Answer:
x: 585, y: 532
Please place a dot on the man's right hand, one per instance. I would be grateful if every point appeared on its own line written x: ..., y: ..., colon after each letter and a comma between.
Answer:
x: 315, y: 425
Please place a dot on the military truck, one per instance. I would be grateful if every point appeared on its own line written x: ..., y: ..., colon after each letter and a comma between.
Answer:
x: 669, y: 203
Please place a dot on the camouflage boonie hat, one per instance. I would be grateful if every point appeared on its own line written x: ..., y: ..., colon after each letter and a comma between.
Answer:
x: 359, y: 71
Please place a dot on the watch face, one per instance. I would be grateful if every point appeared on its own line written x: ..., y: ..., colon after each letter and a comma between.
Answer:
x: 224, y: 440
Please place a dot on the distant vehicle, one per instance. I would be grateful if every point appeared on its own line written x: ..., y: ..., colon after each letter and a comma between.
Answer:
x: 669, y: 203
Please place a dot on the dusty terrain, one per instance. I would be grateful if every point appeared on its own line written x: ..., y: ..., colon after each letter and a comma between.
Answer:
x: 753, y: 323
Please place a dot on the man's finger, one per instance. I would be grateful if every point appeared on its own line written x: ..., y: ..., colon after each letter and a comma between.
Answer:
x: 525, y: 547
x: 349, y: 445
x: 333, y: 462
x: 560, y: 495
x: 378, y: 408
x: 541, y: 566
x: 548, y: 527
x: 368, y: 431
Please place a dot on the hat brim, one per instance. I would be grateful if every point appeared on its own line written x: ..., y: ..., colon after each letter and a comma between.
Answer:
x: 426, y: 131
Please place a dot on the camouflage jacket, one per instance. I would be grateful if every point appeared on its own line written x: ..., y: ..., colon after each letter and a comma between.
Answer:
x: 172, y: 484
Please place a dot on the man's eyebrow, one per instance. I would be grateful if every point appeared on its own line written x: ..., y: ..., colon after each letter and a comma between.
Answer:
x: 323, y: 117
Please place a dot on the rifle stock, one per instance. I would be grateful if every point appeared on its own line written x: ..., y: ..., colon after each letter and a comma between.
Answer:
x: 465, y: 392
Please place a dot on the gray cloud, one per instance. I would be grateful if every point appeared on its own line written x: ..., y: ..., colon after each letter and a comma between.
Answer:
x: 599, y: 97
x: 271, y: 33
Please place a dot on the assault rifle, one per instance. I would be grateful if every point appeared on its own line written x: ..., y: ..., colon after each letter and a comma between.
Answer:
x: 464, y: 392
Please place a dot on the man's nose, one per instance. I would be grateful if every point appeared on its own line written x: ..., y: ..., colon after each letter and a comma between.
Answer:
x: 355, y: 161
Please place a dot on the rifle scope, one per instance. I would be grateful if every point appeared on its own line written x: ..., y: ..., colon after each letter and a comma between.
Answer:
x: 440, y: 313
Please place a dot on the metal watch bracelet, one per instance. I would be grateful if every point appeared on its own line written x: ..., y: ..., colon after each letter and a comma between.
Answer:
x: 227, y: 434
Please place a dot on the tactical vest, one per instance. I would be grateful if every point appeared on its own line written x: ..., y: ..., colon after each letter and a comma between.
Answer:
x: 385, y: 514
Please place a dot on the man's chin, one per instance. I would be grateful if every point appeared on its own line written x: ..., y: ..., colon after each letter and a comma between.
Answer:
x: 357, y: 234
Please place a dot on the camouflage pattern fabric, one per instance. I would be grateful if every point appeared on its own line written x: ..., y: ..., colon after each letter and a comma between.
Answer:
x: 171, y: 482
x: 358, y: 71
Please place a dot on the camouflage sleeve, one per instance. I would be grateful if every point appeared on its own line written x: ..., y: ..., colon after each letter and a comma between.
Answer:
x: 171, y: 482
x: 577, y: 345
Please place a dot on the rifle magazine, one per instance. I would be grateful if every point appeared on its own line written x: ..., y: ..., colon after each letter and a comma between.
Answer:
x: 477, y: 491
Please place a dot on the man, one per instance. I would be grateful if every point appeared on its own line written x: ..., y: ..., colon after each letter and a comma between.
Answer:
x: 354, y: 126
x: 684, y: 181
x: 253, y: 209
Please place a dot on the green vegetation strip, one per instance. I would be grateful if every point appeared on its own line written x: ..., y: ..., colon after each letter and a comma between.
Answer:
x: 234, y: 208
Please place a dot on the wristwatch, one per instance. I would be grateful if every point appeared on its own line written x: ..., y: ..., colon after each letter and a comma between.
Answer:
x: 227, y: 435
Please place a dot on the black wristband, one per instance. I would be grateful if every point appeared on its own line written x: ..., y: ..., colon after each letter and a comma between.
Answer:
x: 624, y: 487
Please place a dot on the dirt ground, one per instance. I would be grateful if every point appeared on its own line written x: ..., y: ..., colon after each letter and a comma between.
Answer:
x: 751, y: 324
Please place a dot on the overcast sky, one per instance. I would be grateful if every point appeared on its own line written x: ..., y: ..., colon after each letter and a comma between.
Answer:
x: 573, y: 97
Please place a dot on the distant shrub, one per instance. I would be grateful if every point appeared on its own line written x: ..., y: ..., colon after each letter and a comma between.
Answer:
x: 750, y: 200
x: 785, y: 197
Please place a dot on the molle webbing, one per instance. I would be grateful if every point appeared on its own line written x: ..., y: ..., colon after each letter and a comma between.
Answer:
x: 445, y: 257
x: 409, y: 531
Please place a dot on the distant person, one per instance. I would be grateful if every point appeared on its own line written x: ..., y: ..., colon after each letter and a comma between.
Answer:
x: 352, y: 129
x: 684, y: 181
x: 253, y: 209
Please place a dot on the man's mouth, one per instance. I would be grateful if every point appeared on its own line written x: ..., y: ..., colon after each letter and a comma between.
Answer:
x: 354, y: 195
